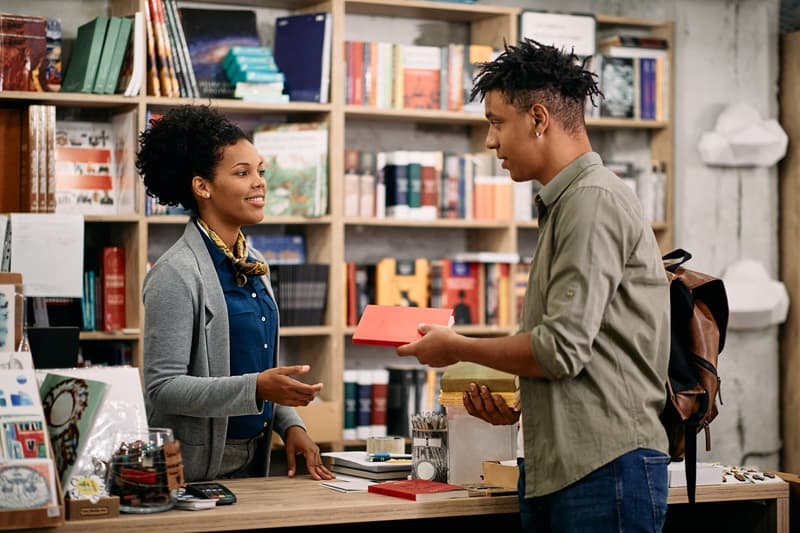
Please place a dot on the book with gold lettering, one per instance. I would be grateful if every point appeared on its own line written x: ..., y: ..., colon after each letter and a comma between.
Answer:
x: 457, y: 378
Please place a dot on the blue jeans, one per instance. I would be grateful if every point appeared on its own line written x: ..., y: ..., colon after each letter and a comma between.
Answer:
x: 628, y: 494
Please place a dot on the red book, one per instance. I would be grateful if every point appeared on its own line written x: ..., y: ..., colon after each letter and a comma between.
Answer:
x: 420, y: 490
x: 113, y: 287
x: 394, y: 325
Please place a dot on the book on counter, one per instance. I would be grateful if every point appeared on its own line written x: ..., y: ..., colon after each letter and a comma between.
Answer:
x: 420, y: 490
x: 366, y: 474
x: 361, y: 461
x: 395, y: 325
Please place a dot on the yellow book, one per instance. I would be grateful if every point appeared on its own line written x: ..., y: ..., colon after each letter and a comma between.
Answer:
x: 456, y: 399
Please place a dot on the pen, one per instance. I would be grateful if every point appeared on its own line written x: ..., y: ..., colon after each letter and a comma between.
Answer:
x: 385, y: 456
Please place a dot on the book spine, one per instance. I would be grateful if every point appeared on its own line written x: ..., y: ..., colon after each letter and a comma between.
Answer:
x: 350, y: 405
x: 364, y: 420
x: 153, y: 80
x: 113, y: 287
x: 380, y: 386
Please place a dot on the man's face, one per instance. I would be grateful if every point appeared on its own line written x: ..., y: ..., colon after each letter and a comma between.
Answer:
x: 511, y: 136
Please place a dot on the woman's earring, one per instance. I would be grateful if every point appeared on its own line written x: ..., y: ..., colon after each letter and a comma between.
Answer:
x: 538, y: 134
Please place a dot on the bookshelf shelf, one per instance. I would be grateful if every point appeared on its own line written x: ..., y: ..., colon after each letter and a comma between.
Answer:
x: 306, y: 331
x: 438, y: 223
x: 415, y: 115
x: 451, y: 12
x: 239, y: 106
x: 622, y: 123
x: 108, y: 336
x: 333, y: 238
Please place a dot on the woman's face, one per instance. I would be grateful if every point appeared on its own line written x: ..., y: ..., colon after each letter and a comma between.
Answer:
x: 235, y: 197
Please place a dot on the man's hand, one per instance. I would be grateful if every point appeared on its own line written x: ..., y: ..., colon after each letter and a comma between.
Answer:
x: 277, y: 385
x: 438, y: 346
x: 492, y: 408
x: 298, y: 442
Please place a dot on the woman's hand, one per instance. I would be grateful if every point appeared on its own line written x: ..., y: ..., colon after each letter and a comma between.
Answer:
x: 277, y: 385
x: 298, y: 442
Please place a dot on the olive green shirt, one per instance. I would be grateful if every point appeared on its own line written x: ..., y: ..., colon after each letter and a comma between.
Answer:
x: 597, y: 307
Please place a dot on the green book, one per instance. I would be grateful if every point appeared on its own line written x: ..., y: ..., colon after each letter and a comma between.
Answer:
x: 414, y: 184
x: 121, y: 46
x: 109, y: 45
x: 457, y: 377
x: 82, y: 68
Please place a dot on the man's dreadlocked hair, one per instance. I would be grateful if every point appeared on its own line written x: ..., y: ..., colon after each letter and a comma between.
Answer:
x: 532, y: 72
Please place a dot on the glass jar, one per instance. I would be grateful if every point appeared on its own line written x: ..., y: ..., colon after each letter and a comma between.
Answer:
x: 137, y: 471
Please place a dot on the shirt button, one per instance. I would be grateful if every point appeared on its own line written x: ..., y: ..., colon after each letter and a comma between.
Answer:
x: 253, y: 294
x: 263, y: 319
x: 266, y: 346
x: 266, y: 424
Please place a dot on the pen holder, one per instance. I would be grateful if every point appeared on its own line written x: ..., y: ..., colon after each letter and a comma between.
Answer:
x: 429, y: 454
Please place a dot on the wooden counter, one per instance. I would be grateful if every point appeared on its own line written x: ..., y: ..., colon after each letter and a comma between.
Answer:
x: 283, y: 502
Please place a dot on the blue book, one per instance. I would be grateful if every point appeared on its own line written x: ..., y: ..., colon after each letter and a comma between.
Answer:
x: 302, y: 50
x: 239, y: 72
x: 279, y: 249
x: 257, y: 77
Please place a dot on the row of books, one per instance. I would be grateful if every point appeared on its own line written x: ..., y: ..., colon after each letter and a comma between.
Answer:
x: 107, y: 57
x: 67, y: 166
x: 429, y: 185
x: 187, y: 47
x: 633, y: 74
x: 103, y: 302
x: 401, y: 76
x: 478, y: 287
x: 301, y: 293
x: 380, y: 402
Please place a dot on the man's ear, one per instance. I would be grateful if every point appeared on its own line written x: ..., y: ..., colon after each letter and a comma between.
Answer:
x: 540, y: 119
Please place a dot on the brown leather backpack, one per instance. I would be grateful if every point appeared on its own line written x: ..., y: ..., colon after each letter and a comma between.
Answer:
x: 699, y: 309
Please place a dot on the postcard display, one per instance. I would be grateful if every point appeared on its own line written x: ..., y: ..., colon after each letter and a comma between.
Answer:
x: 31, y: 495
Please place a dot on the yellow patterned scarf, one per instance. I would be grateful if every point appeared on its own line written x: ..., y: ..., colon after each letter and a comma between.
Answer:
x: 238, y: 256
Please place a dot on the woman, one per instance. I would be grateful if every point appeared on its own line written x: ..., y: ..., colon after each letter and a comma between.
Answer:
x: 211, y: 324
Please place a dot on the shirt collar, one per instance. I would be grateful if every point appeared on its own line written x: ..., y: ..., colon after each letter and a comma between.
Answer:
x: 218, y: 257
x: 551, y: 192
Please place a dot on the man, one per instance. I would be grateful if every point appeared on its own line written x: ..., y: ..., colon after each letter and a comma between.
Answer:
x: 593, y: 345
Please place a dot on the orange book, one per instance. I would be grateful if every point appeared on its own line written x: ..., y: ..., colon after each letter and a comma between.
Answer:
x: 395, y: 325
x: 421, y: 70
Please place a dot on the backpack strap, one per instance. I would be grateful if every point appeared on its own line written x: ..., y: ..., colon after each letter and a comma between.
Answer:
x: 675, y: 258
x: 690, y: 459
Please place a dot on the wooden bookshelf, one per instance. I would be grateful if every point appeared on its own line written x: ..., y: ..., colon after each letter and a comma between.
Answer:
x: 327, y: 237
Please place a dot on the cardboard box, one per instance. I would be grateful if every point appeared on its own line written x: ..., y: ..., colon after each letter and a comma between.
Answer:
x: 500, y: 475
x: 106, y: 507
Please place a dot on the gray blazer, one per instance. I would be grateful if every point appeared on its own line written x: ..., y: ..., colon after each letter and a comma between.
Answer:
x: 188, y: 386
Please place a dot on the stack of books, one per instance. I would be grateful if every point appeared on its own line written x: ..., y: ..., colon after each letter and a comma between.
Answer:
x: 363, y: 465
x: 253, y: 73
x: 457, y: 378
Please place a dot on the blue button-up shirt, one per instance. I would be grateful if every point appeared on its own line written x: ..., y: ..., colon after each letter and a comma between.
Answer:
x: 253, y: 330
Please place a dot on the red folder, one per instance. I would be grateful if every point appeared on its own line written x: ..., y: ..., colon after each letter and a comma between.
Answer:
x: 394, y: 325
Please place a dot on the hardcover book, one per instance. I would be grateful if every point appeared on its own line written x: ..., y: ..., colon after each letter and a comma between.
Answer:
x: 420, y: 490
x: 394, y: 325
x: 86, y: 53
x: 23, y: 53
x: 84, y: 168
x: 209, y: 34
x: 302, y: 52
x: 402, y: 282
x: 361, y: 461
x: 296, y: 157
